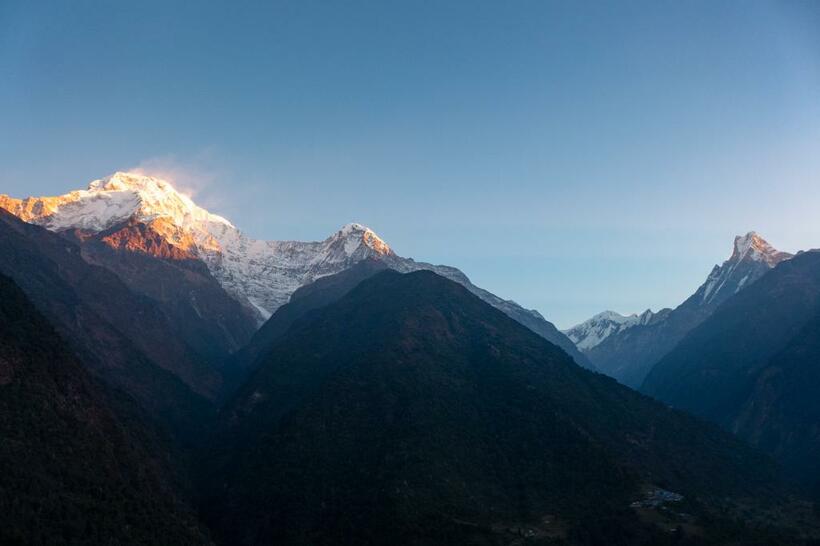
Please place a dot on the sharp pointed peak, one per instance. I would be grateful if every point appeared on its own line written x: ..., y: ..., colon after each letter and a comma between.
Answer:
x: 753, y: 246
x: 749, y: 240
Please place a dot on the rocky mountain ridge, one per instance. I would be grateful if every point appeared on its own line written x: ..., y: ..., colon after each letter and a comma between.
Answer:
x: 595, y: 330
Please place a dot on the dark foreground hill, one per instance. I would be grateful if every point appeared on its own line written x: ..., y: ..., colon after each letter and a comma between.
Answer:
x: 74, y: 470
x: 331, y: 288
x: 754, y: 366
x: 411, y: 412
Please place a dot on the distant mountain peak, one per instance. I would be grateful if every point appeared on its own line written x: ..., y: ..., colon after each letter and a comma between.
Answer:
x: 755, y: 247
x: 595, y: 330
x: 752, y: 256
x: 354, y: 234
x: 613, y: 316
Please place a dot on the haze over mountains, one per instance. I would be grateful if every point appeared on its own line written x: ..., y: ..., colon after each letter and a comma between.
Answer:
x: 206, y: 384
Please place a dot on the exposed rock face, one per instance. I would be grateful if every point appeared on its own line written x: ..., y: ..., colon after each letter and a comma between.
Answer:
x: 151, y: 238
x: 31, y: 209
x: 208, y: 318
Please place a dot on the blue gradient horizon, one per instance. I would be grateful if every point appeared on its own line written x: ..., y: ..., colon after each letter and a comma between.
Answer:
x: 574, y: 157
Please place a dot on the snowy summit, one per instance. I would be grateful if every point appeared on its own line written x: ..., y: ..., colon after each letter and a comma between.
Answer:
x: 261, y: 274
x: 595, y: 330
x: 752, y: 256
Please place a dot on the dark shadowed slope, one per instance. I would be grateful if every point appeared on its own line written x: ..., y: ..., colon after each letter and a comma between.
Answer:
x: 412, y: 412
x: 326, y: 290
x: 781, y: 415
x: 753, y: 365
x: 319, y: 293
x: 530, y: 318
x: 122, y: 337
x: 204, y: 315
x: 73, y: 472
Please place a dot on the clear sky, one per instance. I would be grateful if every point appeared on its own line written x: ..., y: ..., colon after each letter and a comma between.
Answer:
x: 573, y: 156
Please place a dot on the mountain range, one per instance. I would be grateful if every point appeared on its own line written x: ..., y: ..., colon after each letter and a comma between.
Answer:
x: 628, y: 347
x: 137, y: 214
x: 166, y: 379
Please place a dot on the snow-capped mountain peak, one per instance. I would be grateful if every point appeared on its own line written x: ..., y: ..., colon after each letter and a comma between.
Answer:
x: 595, y: 330
x: 259, y: 273
x: 113, y: 200
x: 613, y: 317
x: 354, y: 235
x: 752, y: 256
x: 755, y: 247
x: 157, y: 199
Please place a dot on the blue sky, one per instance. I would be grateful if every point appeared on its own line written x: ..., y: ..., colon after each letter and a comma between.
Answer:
x: 573, y: 156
